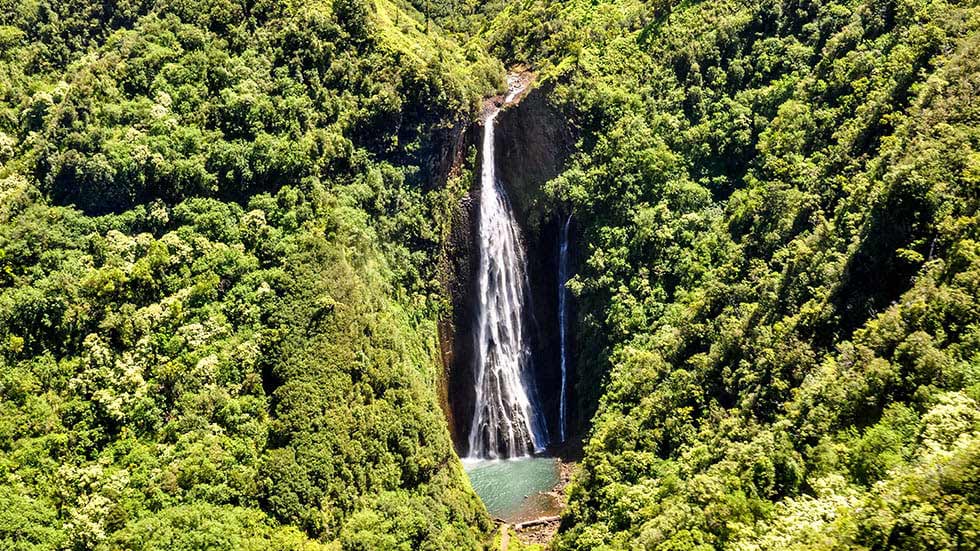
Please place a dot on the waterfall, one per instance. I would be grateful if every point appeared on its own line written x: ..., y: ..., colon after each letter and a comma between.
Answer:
x: 563, y: 325
x: 507, y: 420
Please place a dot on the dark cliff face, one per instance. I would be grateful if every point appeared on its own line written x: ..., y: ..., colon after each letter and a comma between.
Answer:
x: 456, y: 335
x: 445, y: 153
x: 532, y: 143
x: 457, y: 277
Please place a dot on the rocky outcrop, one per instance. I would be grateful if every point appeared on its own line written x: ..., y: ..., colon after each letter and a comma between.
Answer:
x: 533, y: 141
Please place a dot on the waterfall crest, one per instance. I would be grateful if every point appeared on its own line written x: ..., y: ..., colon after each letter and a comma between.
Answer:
x: 507, y: 419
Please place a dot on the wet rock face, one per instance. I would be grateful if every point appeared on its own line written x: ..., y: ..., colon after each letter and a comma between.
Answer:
x: 457, y: 338
x: 445, y: 153
x: 532, y: 143
x: 457, y: 275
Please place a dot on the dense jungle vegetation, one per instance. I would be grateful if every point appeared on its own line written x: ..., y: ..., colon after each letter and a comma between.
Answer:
x: 781, y: 277
x: 220, y: 226
x: 216, y: 306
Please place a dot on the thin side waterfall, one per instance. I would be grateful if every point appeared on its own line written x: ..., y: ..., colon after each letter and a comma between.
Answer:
x: 507, y: 419
x: 563, y: 325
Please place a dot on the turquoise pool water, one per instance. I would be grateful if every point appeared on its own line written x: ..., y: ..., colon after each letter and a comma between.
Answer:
x: 515, y: 489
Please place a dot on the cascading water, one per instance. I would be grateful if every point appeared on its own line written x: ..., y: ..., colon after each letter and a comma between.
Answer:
x: 507, y: 420
x: 563, y: 325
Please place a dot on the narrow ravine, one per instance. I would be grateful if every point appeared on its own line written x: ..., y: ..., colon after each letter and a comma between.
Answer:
x: 508, y: 441
x: 507, y: 421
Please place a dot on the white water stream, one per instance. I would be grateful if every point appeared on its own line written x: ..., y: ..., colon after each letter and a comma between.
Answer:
x: 507, y: 419
x: 563, y: 267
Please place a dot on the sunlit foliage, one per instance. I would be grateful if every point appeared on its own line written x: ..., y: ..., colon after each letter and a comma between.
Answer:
x: 778, y: 203
x: 216, y: 301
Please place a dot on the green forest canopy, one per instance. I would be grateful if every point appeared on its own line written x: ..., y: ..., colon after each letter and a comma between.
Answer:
x: 216, y: 311
x: 778, y: 204
x: 219, y: 227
